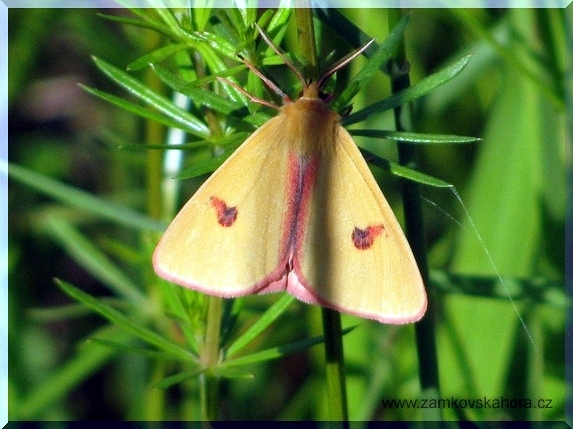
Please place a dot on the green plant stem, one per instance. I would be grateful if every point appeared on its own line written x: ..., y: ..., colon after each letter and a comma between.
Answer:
x: 414, y: 225
x: 335, y: 379
x: 155, y: 132
x: 154, y: 409
x: 332, y: 327
x: 209, y: 359
x: 307, y: 40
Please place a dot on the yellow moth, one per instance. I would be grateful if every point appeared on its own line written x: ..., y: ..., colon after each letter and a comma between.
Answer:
x: 296, y: 209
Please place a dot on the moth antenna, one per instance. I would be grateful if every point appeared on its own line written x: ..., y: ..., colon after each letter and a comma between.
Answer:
x: 342, y: 62
x: 246, y: 93
x: 282, y: 56
x: 267, y: 81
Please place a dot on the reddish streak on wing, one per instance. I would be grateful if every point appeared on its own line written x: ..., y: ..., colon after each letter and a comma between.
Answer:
x: 226, y: 216
x: 364, y: 238
x: 288, y: 276
x: 302, y: 175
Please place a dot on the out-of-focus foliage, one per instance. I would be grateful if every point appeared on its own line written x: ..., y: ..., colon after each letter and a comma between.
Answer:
x: 495, y: 339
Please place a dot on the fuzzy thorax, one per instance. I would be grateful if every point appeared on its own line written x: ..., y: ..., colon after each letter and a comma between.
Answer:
x: 310, y: 123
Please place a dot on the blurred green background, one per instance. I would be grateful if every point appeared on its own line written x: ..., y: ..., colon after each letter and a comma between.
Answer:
x: 513, y: 184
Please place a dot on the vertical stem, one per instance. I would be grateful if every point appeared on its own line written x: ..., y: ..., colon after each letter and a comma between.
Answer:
x: 307, y: 39
x: 335, y: 379
x: 413, y: 216
x: 155, y: 398
x: 154, y: 132
x: 333, y: 346
x: 210, y: 358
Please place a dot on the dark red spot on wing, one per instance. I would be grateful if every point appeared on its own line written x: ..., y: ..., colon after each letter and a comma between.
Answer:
x: 364, y: 238
x: 226, y: 215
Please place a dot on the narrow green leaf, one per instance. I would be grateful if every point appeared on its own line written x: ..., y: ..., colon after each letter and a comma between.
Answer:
x: 92, y: 259
x: 147, y: 23
x: 169, y: 18
x: 155, y: 100
x: 57, y: 314
x: 278, y: 24
x: 419, y: 138
x: 135, y: 349
x: 73, y: 311
x: 199, y: 95
x: 156, y: 56
x: 273, y: 353
x: 377, y: 59
x: 416, y: 176
x: 217, y: 43
x: 197, y: 83
x: 415, y: 91
x: 277, y: 352
x: 179, y: 378
x: 230, y: 372
x: 240, y: 18
x: 77, y: 198
x: 231, y: 26
x: 214, y: 62
x: 262, y: 323
x: 126, y: 323
x: 404, y: 172
x: 233, y: 373
x: 137, y: 110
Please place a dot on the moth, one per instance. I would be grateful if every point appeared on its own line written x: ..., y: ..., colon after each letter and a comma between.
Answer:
x: 296, y: 209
